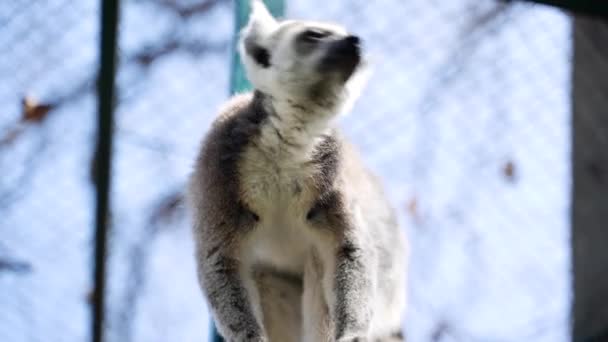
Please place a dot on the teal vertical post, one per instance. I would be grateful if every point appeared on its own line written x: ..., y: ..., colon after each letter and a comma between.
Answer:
x: 238, y: 79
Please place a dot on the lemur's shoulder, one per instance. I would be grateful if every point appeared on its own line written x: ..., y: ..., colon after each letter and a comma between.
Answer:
x: 237, y: 121
x: 236, y: 105
x: 214, y: 180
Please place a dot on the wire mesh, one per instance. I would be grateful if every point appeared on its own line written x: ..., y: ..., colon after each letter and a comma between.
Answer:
x: 466, y: 119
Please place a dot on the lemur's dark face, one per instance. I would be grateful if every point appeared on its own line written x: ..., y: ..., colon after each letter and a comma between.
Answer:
x: 335, y: 52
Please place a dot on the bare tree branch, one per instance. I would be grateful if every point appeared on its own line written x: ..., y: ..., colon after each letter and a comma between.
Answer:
x: 185, y: 11
x: 10, y: 194
x: 166, y: 212
x: 14, y: 266
x: 151, y: 54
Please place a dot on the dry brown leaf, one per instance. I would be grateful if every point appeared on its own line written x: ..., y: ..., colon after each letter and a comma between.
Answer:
x: 413, y: 209
x: 412, y: 206
x: 509, y: 171
x: 33, y: 111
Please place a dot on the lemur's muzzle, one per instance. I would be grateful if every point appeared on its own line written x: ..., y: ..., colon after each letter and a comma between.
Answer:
x: 349, y: 46
x: 343, y: 55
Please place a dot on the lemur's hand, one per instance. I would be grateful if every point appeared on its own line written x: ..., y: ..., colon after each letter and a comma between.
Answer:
x: 228, y: 297
x: 353, y: 292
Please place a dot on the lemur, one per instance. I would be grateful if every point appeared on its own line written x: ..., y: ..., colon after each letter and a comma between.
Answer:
x: 295, y: 239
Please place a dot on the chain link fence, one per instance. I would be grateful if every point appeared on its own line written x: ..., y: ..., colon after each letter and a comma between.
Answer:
x: 466, y: 119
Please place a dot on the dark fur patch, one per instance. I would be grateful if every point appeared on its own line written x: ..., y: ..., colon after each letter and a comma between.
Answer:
x: 285, y: 141
x: 328, y: 209
x: 212, y: 251
x: 296, y: 105
x: 398, y: 335
x: 258, y: 53
x: 326, y: 156
x: 261, y: 56
x: 328, y: 212
x: 297, y: 188
x: 349, y: 251
x: 246, y: 216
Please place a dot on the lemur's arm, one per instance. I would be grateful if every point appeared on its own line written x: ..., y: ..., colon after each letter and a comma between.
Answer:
x: 353, y: 288
x: 222, y: 282
x: 349, y: 267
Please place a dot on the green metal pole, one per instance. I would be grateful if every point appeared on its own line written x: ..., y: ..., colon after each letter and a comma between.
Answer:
x: 103, y: 158
x: 238, y: 79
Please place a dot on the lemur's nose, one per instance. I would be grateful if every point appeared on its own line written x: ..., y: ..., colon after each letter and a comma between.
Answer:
x: 353, y: 40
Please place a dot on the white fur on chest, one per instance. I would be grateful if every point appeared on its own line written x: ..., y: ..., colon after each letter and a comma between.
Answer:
x: 276, y: 184
x: 283, y: 247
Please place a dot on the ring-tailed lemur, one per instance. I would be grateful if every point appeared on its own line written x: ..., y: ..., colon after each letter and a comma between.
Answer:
x: 295, y: 239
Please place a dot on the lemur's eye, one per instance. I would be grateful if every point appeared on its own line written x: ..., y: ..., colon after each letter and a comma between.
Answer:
x: 313, y: 36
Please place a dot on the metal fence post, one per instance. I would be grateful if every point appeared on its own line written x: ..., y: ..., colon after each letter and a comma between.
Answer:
x: 105, y: 107
x: 590, y: 180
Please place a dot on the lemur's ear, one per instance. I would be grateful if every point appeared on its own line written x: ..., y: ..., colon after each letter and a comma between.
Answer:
x: 253, y: 37
x: 261, y: 17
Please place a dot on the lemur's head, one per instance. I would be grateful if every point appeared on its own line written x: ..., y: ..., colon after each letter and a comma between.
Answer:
x: 307, y: 62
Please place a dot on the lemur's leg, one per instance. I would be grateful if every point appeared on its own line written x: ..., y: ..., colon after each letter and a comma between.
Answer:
x: 316, y: 326
x: 349, y: 288
x: 280, y: 296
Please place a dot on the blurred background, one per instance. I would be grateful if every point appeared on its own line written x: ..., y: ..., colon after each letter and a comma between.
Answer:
x: 466, y: 119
